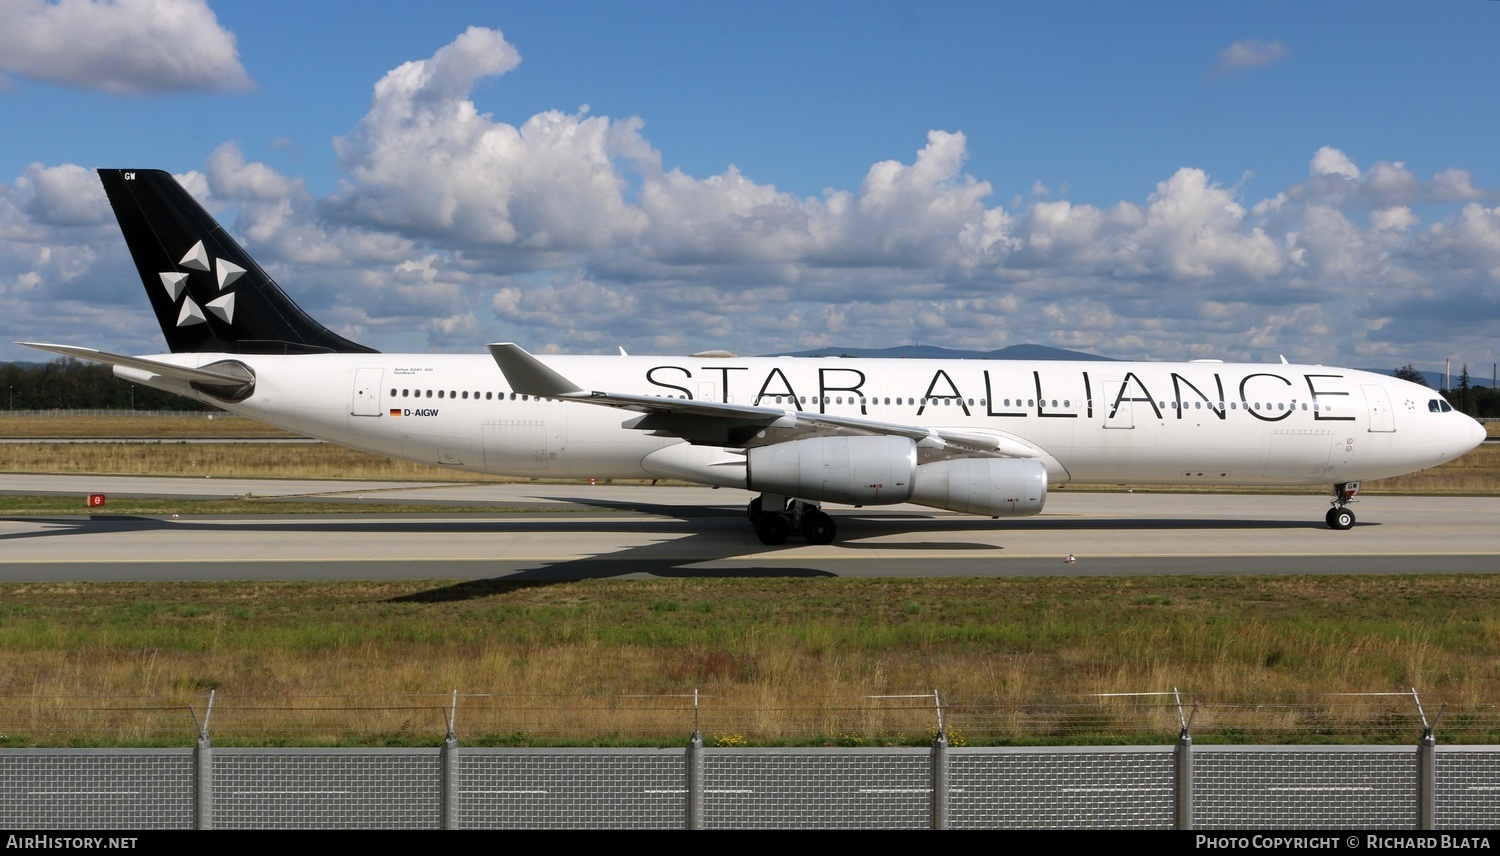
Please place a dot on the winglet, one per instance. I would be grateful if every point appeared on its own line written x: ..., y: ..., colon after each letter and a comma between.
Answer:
x: 531, y: 376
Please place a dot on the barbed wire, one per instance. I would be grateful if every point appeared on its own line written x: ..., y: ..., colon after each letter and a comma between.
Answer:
x: 911, y: 719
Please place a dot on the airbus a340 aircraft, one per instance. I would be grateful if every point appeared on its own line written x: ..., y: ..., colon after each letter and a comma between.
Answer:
x: 976, y: 436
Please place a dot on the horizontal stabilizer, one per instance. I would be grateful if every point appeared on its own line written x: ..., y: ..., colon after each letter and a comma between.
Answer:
x: 228, y: 373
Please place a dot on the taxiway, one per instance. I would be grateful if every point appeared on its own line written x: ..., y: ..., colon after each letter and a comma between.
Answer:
x: 564, y: 532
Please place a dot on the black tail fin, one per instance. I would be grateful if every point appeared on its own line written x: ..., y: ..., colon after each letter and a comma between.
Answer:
x: 209, y: 296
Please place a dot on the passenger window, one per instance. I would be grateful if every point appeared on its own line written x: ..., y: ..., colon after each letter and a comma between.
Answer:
x: 429, y: 393
x: 393, y: 392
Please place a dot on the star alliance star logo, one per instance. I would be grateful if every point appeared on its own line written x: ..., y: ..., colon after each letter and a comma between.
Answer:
x: 176, y: 283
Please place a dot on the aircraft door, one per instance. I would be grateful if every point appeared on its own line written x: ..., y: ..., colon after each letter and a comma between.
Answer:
x: 1382, y: 418
x: 366, y: 392
x: 1122, y: 416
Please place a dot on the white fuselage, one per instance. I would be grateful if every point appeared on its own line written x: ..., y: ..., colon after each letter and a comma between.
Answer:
x: 1089, y: 422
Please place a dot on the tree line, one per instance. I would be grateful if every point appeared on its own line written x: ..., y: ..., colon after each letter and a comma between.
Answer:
x: 1477, y: 401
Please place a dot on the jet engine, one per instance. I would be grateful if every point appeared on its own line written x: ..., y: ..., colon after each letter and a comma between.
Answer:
x: 862, y: 470
x: 998, y: 487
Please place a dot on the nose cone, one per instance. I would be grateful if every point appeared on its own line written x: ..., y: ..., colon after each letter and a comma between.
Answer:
x: 1477, y: 433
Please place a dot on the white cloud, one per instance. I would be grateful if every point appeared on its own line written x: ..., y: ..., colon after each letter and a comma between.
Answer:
x: 563, y: 231
x: 425, y: 161
x: 66, y: 195
x: 121, y: 46
x: 1330, y: 161
x: 231, y: 177
x: 1248, y: 54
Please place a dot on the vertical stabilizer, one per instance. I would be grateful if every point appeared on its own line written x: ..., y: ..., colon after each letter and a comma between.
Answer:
x: 208, y: 295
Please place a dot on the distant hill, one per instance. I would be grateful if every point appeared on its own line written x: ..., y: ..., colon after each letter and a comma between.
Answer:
x: 932, y: 352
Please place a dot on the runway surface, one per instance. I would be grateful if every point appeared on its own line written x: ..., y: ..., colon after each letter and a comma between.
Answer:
x: 559, y: 532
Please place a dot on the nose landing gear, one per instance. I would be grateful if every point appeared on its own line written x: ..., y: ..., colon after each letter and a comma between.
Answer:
x: 1339, y: 516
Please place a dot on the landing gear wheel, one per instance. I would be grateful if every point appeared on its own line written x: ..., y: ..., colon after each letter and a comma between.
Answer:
x: 772, y: 529
x: 819, y: 528
x: 752, y: 510
x: 1340, y: 518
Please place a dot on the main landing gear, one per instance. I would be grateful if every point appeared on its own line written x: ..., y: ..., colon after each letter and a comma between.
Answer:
x: 774, y: 526
x: 1339, y: 516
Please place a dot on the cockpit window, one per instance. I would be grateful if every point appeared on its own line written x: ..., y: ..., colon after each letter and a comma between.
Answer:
x: 1437, y: 405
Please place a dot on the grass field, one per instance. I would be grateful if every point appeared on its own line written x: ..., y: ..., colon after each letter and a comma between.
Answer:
x: 126, y: 425
x: 775, y: 658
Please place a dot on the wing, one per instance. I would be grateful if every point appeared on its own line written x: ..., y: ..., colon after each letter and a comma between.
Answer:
x: 710, y: 423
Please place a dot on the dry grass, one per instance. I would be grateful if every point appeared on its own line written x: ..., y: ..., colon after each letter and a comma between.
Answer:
x: 315, y: 460
x: 778, y: 660
x: 1475, y: 473
x: 124, y: 425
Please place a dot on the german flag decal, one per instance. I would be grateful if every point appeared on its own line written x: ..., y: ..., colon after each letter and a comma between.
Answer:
x: 395, y: 411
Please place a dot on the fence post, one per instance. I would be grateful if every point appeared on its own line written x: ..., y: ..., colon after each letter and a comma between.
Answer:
x: 694, y: 759
x: 1427, y: 765
x: 940, y: 787
x: 448, y: 771
x: 203, y: 770
x: 1426, y: 780
x: 1182, y: 757
x: 941, y: 792
x: 695, y: 781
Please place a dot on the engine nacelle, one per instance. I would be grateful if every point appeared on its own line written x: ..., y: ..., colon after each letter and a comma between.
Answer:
x: 998, y: 487
x: 862, y: 470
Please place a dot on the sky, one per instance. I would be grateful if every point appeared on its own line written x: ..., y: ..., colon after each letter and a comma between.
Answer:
x: 1157, y: 181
